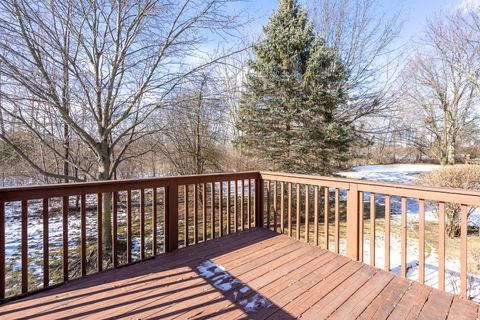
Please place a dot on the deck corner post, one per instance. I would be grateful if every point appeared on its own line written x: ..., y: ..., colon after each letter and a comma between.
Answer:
x: 171, y: 216
x: 259, y: 185
x: 353, y: 222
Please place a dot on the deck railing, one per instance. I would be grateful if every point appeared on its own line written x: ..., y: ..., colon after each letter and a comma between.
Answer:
x: 53, y: 233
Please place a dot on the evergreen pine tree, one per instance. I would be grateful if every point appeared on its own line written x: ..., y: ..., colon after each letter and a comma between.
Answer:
x: 287, y: 114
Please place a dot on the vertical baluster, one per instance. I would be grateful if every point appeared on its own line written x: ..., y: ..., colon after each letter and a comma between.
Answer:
x: 361, y: 233
x: 195, y: 213
x: 212, y: 210
x: 290, y: 200
x: 326, y: 215
x: 185, y: 215
x: 228, y: 208
x: 142, y: 224
x: 2, y: 250
x: 372, y: 229
x: 99, y: 232
x: 337, y: 220
x: 298, y: 211
x: 441, y: 246
x: 129, y: 226
x: 268, y: 203
x: 154, y: 221
x: 242, y: 202
x: 421, y: 240
x: 204, y: 211
x: 65, y: 238
x: 235, y: 207
x: 172, y: 217
x: 220, y: 208
x: 387, y: 232
x: 25, y: 246
x: 315, y: 214
x: 403, y: 271
x: 46, y: 263
x: 83, y: 235
x: 282, y: 205
x: 463, y: 250
x: 114, y: 228
x: 165, y: 218
x: 275, y: 208
x: 307, y: 214
x: 257, y: 190
x: 249, y: 214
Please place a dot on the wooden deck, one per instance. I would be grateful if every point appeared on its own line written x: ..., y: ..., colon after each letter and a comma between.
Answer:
x: 255, y: 274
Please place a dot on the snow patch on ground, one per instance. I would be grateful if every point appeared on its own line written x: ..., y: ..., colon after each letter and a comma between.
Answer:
x: 224, y: 281
x: 406, y: 173
x: 399, y: 173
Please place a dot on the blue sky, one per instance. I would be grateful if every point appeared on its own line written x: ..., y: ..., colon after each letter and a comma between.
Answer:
x: 414, y: 13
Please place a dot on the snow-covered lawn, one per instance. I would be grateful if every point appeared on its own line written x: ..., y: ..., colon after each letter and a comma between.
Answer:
x: 405, y: 173
x: 398, y: 173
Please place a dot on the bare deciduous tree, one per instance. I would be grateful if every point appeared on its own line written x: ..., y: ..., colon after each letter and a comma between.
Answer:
x: 196, y: 128
x: 441, y: 94
x: 363, y: 38
x: 97, y: 72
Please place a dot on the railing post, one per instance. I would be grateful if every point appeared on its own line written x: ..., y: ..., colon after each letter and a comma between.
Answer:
x: 353, y: 222
x: 171, y: 216
x: 258, y: 202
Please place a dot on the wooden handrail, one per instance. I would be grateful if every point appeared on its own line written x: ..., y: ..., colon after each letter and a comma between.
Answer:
x: 172, y: 193
x: 199, y: 208
x: 355, y: 190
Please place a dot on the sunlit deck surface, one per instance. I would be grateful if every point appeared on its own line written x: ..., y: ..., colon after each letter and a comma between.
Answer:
x: 255, y: 274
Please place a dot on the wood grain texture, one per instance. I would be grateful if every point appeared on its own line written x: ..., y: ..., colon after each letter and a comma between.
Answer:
x: 298, y: 280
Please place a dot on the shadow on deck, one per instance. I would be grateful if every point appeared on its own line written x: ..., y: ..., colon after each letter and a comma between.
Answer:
x: 253, y: 274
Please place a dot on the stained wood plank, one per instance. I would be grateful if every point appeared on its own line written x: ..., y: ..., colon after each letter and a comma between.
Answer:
x: 359, y: 301
x: 298, y: 279
x: 437, y: 306
x: 411, y: 303
x: 196, y: 294
x: 315, y: 293
x: 256, y: 277
x: 329, y: 303
x: 385, y: 302
x: 274, y: 281
x: 100, y: 287
x: 462, y: 309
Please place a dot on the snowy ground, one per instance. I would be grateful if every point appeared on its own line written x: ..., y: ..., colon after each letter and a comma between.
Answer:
x: 398, y: 173
x: 405, y: 173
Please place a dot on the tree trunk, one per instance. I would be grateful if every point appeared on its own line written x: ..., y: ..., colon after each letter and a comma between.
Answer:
x: 451, y: 153
x: 104, y: 174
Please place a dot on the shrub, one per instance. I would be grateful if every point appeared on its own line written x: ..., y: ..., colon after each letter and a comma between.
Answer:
x: 458, y: 176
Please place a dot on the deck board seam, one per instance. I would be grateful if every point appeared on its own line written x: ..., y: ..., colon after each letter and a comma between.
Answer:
x: 400, y: 299
x: 346, y: 300
x: 321, y: 281
x: 189, y: 259
x: 292, y: 243
x: 313, y: 304
x: 277, y: 267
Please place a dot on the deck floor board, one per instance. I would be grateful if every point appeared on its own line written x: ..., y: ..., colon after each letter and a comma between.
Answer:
x: 255, y: 274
